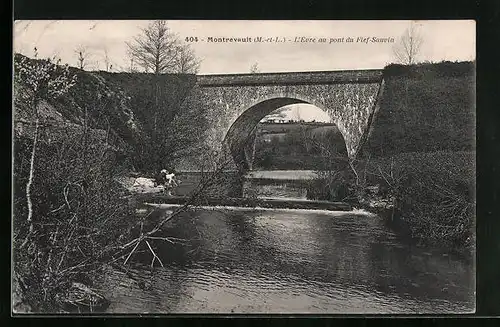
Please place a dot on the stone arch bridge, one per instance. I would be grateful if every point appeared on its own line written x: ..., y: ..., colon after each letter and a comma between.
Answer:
x: 238, y: 102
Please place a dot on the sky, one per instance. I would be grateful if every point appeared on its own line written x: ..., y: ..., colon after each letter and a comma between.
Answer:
x: 297, y: 112
x: 452, y: 40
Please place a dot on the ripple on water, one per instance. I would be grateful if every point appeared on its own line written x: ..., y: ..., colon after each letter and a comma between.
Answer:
x: 291, y: 261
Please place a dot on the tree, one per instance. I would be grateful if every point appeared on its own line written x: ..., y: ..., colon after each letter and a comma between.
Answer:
x: 408, y: 47
x: 297, y: 115
x: 107, y: 60
x: 67, y: 173
x: 132, y: 68
x: 188, y: 63
x: 254, y: 69
x: 158, y: 50
x: 83, y: 56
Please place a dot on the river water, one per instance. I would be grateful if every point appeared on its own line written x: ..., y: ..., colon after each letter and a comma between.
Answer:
x: 226, y: 260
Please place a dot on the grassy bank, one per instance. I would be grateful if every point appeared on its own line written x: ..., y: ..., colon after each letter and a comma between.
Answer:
x: 425, y: 107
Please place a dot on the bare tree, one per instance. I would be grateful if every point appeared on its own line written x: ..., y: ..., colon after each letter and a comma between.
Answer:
x: 132, y: 68
x: 107, y: 60
x: 254, y: 69
x: 159, y: 50
x: 297, y: 114
x: 408, y: 47
x: 187, y: 61
x: 83, y: 56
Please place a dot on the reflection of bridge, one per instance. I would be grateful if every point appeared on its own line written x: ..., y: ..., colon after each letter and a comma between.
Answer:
x: 238, y: 102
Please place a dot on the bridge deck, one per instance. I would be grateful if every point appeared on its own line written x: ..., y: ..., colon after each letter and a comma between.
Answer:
x: 294, y: 78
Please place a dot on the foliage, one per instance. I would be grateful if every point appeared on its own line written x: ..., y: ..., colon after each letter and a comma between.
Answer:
x: 101, y: 104
x: 64, y: 185
x: 333, y: 185
x: 426, y: 70
x: 434, y: 194
x: 80, y: 216
x: 299, y: 148
x: 41, y: 79
x: 124, y: 103
x: 178, y: 124
x: 78, y: 211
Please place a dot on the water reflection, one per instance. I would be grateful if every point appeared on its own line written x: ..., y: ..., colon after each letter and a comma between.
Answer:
x: 290, y: 261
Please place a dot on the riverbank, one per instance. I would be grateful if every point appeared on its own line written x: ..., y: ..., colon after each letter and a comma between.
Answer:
x: 428, y: 198
x: 394, y: 219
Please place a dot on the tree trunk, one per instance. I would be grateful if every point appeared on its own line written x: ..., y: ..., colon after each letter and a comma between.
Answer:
x: 32, y: 175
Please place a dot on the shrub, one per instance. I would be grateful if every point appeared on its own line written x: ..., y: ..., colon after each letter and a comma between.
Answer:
x: 434, y: 194
x: 78, y: 216
x: 333, y: 186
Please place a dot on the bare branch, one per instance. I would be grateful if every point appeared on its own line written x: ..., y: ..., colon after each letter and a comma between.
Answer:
x: 133, y: 250
x: 254, y: 69
x: 83, y: 56
x: 154, y: 255
x: 409, y: 45
x: 107, y: 60
x: 159, y: 50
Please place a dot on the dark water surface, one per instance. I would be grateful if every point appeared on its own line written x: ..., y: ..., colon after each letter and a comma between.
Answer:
x: 288, y: 261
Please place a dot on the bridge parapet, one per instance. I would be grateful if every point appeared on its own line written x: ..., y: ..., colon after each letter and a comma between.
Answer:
x: 294, y: 78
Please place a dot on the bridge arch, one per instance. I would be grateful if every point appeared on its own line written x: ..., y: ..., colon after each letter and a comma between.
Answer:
x: 348, y: 97
x: 238, y: 138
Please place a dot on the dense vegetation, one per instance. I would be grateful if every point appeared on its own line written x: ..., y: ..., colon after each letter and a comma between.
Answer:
x: 300, y: 147
x: 171, y: 113
x: 75, y: 133
x: 78, y: 214
x: 154, y: 119
x: 425, y: 107
x: 420, y: 154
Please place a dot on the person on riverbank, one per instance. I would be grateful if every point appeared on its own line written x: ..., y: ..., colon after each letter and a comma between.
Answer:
x: 169, y: 181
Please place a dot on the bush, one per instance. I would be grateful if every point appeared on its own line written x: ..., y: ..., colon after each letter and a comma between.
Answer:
x: 434, y: 194
x: 437, y: 205
x: 333, y: 186
x: 170, y: 110
x: 157, y: 132
x: 78, y: 216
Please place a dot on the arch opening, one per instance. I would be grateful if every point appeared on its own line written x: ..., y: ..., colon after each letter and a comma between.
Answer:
x: 241, y: 137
